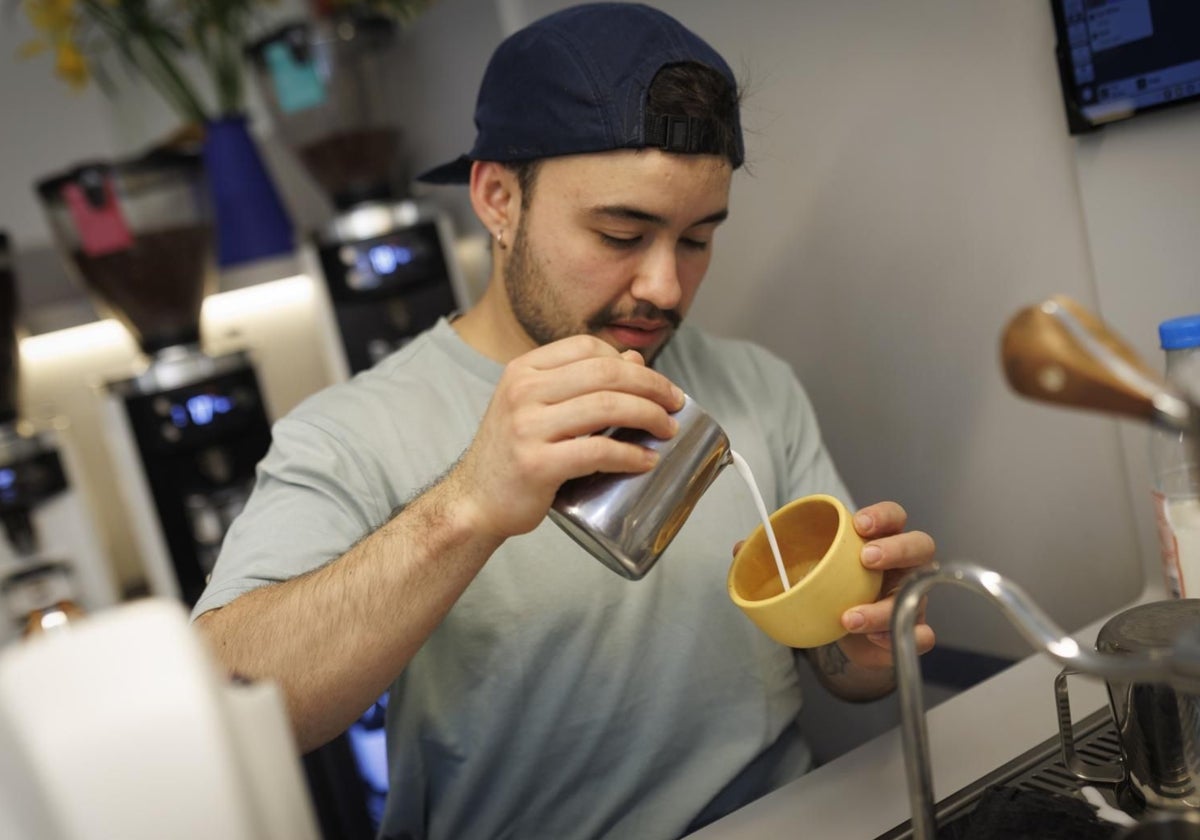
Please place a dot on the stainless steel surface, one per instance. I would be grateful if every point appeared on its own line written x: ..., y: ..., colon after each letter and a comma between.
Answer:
x: 1181, y: 825
x: 1040, y: 769
x: 1109, y: 772
x: 626, y: 521
x: 1033, y: 624
x: 1155, y: 739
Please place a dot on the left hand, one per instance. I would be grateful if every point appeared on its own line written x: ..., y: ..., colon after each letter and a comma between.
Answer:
x: 898, y: 553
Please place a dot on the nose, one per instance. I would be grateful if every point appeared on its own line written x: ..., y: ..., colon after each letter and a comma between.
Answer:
x: 657, y: 281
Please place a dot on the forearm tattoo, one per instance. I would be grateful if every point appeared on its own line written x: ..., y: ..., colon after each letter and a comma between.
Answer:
x: 831, y: 660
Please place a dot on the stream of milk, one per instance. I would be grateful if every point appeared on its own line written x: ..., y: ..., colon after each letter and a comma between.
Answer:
x: 743, y: 470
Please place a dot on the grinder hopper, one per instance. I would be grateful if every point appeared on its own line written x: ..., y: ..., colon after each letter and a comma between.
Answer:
x: 137, y: 234
x: 325, y: 82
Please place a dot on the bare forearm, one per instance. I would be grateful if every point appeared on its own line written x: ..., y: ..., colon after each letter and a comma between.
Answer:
x: 844, y: 679
x: 335, y: 638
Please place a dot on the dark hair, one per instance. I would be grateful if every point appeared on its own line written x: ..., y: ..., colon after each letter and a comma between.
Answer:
x: 697, y: 90
x: 526, y: 172
x: 689, y: 89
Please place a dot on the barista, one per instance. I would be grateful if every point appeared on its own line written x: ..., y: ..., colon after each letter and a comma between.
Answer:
x: 398, y: 536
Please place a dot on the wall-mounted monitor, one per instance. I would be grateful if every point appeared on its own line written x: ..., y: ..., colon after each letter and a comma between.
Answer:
x: 1121, y: 58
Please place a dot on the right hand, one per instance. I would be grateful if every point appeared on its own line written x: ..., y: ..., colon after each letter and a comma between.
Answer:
x: 538, y: 430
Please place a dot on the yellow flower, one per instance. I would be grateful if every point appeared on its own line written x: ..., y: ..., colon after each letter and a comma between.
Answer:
x: 70, y: 65
x: 56, y: 18
x: 58, y: 21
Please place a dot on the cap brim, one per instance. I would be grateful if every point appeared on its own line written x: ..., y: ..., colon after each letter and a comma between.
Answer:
x: 455, y: 172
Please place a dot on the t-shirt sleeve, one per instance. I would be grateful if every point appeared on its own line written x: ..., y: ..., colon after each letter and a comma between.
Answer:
x: 312, y: 500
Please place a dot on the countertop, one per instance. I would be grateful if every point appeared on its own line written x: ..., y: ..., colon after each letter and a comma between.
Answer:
x: 864, y: 793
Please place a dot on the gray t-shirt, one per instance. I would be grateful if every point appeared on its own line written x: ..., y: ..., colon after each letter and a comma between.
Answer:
x: 556, y: 699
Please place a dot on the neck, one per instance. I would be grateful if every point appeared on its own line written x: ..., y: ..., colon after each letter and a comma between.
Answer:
x: 491, y: 328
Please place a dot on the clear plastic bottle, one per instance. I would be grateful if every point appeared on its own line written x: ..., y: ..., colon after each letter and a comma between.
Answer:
x: 1177, y: 476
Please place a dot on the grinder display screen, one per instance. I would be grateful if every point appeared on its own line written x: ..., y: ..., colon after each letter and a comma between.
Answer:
x: 382, y: 265
x: 200, y: 410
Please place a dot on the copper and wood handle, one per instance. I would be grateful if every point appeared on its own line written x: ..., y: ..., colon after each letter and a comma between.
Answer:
x: 1059, y: 352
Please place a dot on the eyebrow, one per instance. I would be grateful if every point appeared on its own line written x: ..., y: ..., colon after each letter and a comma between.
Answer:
x: 621, y: 211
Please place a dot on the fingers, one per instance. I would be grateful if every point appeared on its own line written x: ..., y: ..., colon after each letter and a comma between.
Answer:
x: 597, y: 410
x: 600, y: 453
x: 880, y: 520
x: 866, y: 652
x: 888, y: 545
x: 538, y: 430
x: 899, y: 551
x: 597, y: 374
x: 872, y: 624
x: 877, y: 617
x: 896, y: 552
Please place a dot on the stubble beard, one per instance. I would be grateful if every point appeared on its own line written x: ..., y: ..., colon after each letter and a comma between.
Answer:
x: 533, y: 299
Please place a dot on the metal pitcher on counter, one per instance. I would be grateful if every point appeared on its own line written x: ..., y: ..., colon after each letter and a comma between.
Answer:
x: 1151, y: 719
x: 1058, y: 352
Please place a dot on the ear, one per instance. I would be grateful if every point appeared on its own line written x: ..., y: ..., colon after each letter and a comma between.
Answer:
x: 495, y: 196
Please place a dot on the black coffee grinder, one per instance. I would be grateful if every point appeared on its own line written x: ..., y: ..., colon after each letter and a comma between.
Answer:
x: 387, y: 260
x: 186, y: 430
x: 52, y: 565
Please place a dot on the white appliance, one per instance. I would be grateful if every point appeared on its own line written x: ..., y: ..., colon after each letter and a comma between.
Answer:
x: 123, y: 727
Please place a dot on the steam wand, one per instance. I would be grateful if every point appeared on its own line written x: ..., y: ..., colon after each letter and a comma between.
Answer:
x: 1033, y: 624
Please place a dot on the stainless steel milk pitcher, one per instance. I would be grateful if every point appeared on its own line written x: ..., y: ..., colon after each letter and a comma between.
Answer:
x: 625, y: 520
x: 1153, y: 720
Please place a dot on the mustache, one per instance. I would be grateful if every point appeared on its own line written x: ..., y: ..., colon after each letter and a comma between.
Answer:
x: 643, y: 311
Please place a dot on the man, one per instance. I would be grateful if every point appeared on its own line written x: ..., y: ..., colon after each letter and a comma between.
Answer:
x: 398, y: 533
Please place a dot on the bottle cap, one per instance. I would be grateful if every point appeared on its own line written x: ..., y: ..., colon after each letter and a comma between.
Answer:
x: 1180, y: 333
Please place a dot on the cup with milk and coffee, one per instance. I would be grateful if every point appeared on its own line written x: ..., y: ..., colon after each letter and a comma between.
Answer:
x: 794, y: 588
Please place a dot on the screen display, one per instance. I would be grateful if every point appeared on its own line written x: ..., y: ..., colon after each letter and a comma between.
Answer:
x: 25, y: 483
x: 385, y: 258
x: 199, y: 410
x: 1119, y: 58
x: 400, y: 258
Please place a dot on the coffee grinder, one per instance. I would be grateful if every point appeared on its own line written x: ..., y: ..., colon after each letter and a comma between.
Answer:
x: 386, y: 259
x: 52, y: 565
x: 187, y: 429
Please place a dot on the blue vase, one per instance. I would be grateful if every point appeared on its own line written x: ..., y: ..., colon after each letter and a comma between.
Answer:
x: 250, y: 220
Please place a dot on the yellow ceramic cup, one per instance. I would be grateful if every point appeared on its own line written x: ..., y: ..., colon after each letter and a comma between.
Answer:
x: 822, y: 555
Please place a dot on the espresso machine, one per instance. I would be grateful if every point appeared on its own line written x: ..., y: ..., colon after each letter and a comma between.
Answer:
x: 52, y: 565
x: 387, y: 260
x: 186, y: 429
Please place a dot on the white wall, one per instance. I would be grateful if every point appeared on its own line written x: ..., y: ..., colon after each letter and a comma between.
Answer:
x: 1141, y: 202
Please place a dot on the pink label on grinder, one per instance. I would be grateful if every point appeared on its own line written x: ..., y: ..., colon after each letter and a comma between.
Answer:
x: 102, y: 230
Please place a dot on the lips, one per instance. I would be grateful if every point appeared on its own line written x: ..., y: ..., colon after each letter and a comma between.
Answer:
x: 639, y: 334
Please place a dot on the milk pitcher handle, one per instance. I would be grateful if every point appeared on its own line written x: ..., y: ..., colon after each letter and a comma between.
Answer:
x: 1110, y: 773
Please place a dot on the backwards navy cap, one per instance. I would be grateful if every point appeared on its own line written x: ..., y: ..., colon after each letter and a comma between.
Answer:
x: 575, y: 82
